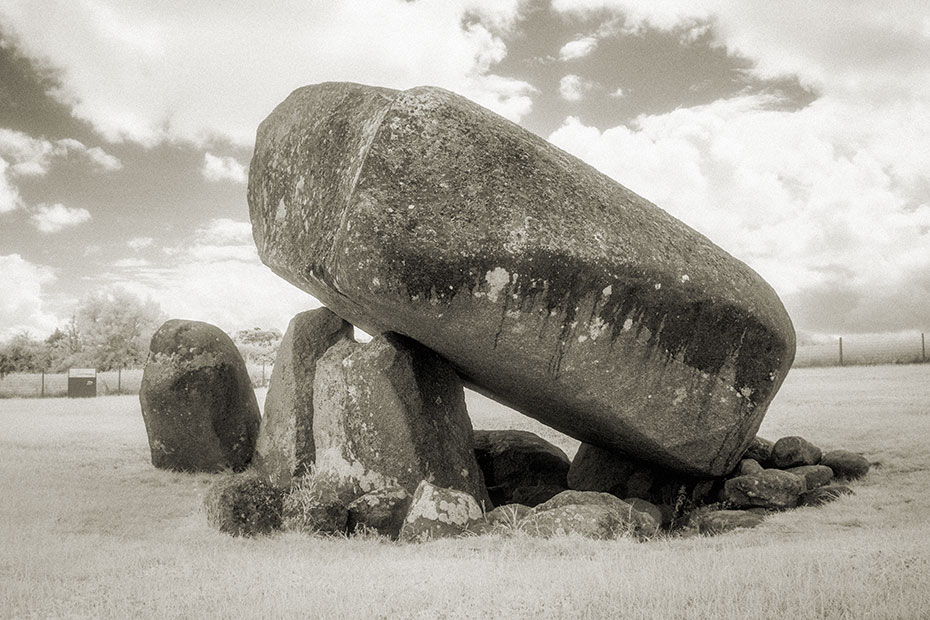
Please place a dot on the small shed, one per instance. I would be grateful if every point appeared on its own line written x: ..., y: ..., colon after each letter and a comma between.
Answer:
x: 82, y: 382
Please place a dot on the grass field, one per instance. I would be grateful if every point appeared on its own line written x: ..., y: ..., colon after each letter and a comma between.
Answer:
x: 91, y: 530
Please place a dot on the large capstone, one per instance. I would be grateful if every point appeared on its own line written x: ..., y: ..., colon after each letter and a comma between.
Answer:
x: 546, y: 284
x: 392, y: 413
x: 285, y: 447
x: 197, y: 400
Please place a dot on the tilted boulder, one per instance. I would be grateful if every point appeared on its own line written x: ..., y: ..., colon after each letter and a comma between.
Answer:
x: 285, y: 449
x: 546, y: 284
x: 197, y: 400
x: 512, y: 459
x: 392, y: 413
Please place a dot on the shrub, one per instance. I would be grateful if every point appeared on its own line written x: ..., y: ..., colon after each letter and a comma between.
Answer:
x: 244, y: 505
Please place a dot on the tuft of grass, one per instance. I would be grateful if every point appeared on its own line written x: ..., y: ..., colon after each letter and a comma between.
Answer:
x: 314, y: 506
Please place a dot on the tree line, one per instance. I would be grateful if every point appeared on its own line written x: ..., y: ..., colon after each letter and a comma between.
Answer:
x: 110, y: 330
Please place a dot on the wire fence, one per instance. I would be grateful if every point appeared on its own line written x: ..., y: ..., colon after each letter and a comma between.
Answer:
x: 864, y: 350
x: 126, y: 381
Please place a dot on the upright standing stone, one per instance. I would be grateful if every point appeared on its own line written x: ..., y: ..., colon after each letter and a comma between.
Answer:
x: 285, y: 448
x: 197, y: 400
x: 392, y: 413
x: 546, y: 284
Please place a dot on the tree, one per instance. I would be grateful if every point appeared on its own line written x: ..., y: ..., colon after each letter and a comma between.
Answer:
x: 114, y: 328
x: 22, y: 353
x: 258, y: 345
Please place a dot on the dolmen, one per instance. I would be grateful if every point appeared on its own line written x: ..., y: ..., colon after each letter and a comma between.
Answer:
x: 478, y: 254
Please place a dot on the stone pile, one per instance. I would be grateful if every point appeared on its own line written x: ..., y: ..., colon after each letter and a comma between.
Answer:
x: 480, y: 254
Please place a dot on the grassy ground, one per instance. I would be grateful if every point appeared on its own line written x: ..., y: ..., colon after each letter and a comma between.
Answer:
x: 90, y: 530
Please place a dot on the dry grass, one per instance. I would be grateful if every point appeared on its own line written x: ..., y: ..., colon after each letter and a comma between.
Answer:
x: 91, y: 530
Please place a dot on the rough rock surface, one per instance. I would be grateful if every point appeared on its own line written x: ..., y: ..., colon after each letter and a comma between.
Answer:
x: 546, y: 284
x: 244, y: 505
x: 749, y: 466
x: 510, y: 459
x: 759, y: 449
x: 793, y: 452
x: 846, y: 464
x: 284, y: 449
x: 197, y: 400
x: 436, y: 512
x: 814, y: 475
x: 588, y: 520
x: 720, y: 521
x: 590, y: 514
x: 534, y: 496
x: 382, y: 511
x: 648, y: 507
x: 596, y: 469
x: 771, y: 488
x: 392, y: 413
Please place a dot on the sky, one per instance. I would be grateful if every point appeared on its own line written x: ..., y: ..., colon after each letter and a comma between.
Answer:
x: 793, y: 134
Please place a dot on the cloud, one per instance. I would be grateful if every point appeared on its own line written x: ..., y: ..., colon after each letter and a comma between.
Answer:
x: 579, y: 48
x: 23, y: 156
x: 222, y: 169
x: 138, y: 243
x: 55, y: 218
x: 215, y: 275
x: 618, y: 93
x: 639, y: 14
x: 130, y: 263
x: 21, y: 303
x: 225, y: 231
x: 34, y: 156
x: 574, y: 87
x: 888, y: 60
x: 10, y: 199
x: 811, y: 199
x: 140, y: 73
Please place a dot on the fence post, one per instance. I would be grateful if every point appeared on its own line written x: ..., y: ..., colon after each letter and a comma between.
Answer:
x: 923, y: 348
x: 119, y: 380
x: 43, y: 385
x: 841, y: 350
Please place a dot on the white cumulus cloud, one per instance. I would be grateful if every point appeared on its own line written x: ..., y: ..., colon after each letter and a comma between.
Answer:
x: 573, y: 87
x: 138, y: 243
x: 579, y: 48
x: 222, y: 169
x: 214, y: 275
x: 139, y: 72
x: 55, y: 218
x: 21, y: 299
x: 10, y: 199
